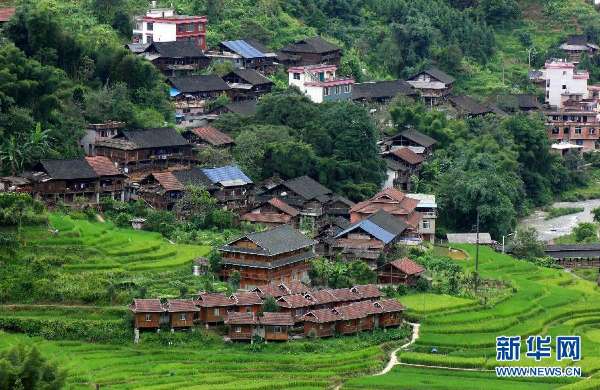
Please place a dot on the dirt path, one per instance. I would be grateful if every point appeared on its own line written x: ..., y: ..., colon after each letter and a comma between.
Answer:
x: 394, y: 355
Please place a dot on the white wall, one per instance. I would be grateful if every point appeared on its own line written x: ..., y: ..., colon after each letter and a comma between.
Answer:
x: 165, y: 32
x: 314, y: 93
x: 561, y: 80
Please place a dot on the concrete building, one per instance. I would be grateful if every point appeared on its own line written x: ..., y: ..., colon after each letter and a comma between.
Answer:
x: 320, y: 83
x: 564, y: 82
x: 428, y: 209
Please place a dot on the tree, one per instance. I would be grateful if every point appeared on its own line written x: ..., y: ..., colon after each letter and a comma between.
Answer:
x: 585, y: 231
x: 596, y: 213
x: 214, y: 261
x: 234, y: 279
x: 195, y: 205
x: 499, y: 12
x: 527, y: 245
x: 270, y: 305
x: 24, y: 367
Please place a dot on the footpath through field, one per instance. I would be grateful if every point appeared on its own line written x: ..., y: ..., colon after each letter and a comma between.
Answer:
x: 393, y: 357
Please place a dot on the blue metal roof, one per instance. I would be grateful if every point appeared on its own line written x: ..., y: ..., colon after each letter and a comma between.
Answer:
x: 371, y: 228
x: 174, y: 92
x: 226, y: 173
x: 244, y: 49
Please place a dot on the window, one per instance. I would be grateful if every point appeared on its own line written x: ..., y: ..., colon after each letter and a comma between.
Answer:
x: 426, y: 224
x: 579, y: 142
x: 326, y: 91
x: 578, y: 130
x: 182, y: 317
x: 149, y: 38
x: 238, y: 329
x: 150, y: 26
x: 190, y: 27
x: 148, y: 317
x: 555, y: 130
x: 592, y: 130
x: 277, y: 329
x: 216, y: 311
x: 296, y: 76
x: 566, y: 130
x: 564, y: 86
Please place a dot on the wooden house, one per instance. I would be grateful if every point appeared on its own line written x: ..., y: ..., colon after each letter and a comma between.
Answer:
x: 382, y: 92
x: 356, y: 317
x: 175, y: 58
x: 247, y: 84
x: 182, y: 313
x: 146, y: 150
x: 369, y: 238
x: 401, y: 271
x: 213, y: 307
x: 147, y: 313
x: 321, y: 323
x: 433, y: 84
x: 296, y: 305
x: 310, y: 51
x: 242, y: 326
x: 578, y: 45
x: 277, y: 290
x: 418, y: 142
x: 201, y: 137
x: 194, y: 94
x: 390, y: 313
x: 467, y: 107
x: 402, y: 164
x: 233, y: 187
x: 95, y: 132
x: 250, y: 54
x: 246, y: 302
x: 273, y: 212
x: 68, y: 180
x: 275, y: 326
x: 161, y: 190
x: 279, y: 254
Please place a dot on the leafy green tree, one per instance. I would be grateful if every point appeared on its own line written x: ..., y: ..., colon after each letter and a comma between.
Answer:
x: 585, y: 231
x: 270, y: 305
x: 234, y: 280
x: 195, y: 204
x: 214, y: 260
x: 500, y: 12
x: 527, y: 245
x: 596, y: 213
x: 25, y: 368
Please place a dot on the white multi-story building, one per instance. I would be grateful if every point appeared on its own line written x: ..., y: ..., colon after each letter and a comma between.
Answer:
x: 320, y: 84
x: 163, y: 25
x: 428, y: 209
x: 564, y: 82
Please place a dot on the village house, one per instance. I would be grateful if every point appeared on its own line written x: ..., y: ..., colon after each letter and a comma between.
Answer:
x: 315, y: 201
x: 356, y: 317
x: 320, y: 83
x: 193, y: 95
x: 513, y: 103
x: 69, y: 180
x: 146, y: 150
x: 403, y: 271
x: 242, y: 326
x: 576, y: 124
x: 246, y: 302
x: 247, y: 84
x: 233, y: 187
x: 467, y: 107
x: 273, y: 212
x: 175, y: 58
x: 433, y: 84
x: 320, y: 323
x: 577, y: 45
x: 95, y: 132
x: 147, y: 313
x: 181, y: 313
x: 268, y: 326
x: 277, y: 290
x: 296, y: 305
x: 326, y: 232
x: 310, y: 51
x: 402, y: 164
x: 248, y: 54
x: 398, y: 205
x: 382, y: 92
x: 564, y: 83
x: 275, y: 326
x: 163, y: 25
x: 369, y: 238
x: 279, y: 254
x: 213, y: 307
x: 202, y: 137
x: 414, y: 140
x: 427, y: 207
x: 161, y: 190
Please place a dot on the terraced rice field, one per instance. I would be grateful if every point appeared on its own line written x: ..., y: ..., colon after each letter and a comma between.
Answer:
x: 545, y: 301
x: 107, y: 248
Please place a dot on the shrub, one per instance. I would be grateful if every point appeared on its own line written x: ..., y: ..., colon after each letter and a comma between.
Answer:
x: 25, y: 368
x: 585, y: 231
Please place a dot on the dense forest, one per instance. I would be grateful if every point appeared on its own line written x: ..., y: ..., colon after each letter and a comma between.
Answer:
x: 64, y: 64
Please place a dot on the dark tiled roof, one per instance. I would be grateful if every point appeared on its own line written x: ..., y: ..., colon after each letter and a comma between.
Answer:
x: 181, y: 305
x: 294, y: 301
x: 580, y: 40
x: 358, y: 310
x: 282, y: 319
x: 155, y: 138
x: 418, y: 137
x: 176, y: 49
x: 438, y: 75
x: 275, y: 241
x: 102, y: 166
x: 386, y: 89
x: 407, y: 266
x: 68, y: 169
x: 282, y: 206
x: 276, y: 218
x: 212, y: 136
x: 323, y: 296
x: 199, y: 83
x: 243, y: 108
x: 307, y: 187
x: 469, y: 105
x: 146, y: 306
x: 251, y: 76
x: 213, y: 300
x: 246, y: 298
x: 388, y: 222
x: 311, y: 45
x: 194, y: 176
x: 526, y: 101
x: 234, y: 318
